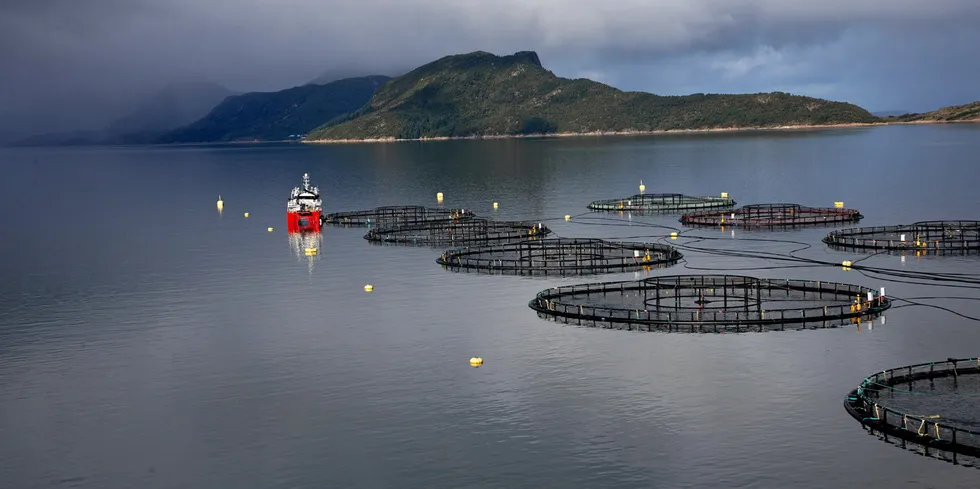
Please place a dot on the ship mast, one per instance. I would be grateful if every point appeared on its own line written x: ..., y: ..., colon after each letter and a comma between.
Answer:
x: 306, y: 181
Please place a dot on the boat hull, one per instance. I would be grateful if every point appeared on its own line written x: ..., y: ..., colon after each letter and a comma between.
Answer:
x: 303, y: 221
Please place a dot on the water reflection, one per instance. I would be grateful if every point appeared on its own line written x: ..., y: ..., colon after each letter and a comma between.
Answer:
x: 306, y: 247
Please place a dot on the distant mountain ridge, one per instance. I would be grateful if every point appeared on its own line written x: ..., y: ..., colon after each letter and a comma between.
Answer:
x: 276, y: 116
x: 481, y: 94
x: 888, y: 113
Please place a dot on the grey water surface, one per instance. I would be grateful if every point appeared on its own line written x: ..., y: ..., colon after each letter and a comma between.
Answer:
x: 147, y: 341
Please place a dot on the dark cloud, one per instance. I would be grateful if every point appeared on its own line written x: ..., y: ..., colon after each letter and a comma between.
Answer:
x: 86, y: 61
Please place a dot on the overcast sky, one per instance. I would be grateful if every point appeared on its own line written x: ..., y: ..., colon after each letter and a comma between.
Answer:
x: 78, y: 63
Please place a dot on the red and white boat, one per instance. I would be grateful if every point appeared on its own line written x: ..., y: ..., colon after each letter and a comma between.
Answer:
x: 303, y: 208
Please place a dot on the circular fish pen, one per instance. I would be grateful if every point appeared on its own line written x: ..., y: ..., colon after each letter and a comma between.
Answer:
x: 772, y: 216
x: 394, y: 215
x: 560, y: 256
x: 461, y: 232
x: 661, y: 203
x: 929, y: 408
x: 929, y: 236
x: 710, y: 304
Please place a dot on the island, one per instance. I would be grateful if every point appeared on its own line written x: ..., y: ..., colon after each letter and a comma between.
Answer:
x: 481, y: 95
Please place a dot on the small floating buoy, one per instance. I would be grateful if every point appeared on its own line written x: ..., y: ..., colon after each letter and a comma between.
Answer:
x: 270, y: 230
x: 368, y: 288
x: 311, y: 251
x: 246, y: 214
x: 495, y: 205
x: 221, y: 204
x: 838, y: 205
x: 642, y: 187
x: 724, y: 195
x: 476, y: 361
x: 673, y: 235
x: 568, y: 218
x: 439, y: 196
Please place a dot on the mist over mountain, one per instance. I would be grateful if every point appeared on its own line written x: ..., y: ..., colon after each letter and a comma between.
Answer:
x: 354, y: 71
x: 80, y: 65
x: 176, y: 105
x: 275, y: 116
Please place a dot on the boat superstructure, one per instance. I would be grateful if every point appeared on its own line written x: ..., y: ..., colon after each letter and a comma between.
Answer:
x: 304, y: 208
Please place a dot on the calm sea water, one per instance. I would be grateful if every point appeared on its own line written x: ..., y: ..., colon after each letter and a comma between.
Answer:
x: 148, y: 341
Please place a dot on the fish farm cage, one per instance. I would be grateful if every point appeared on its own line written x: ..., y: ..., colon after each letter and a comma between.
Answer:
x: 772, y: 216
x: 394, y: 215
x: 939, y: 237
x: 462, y: 232
x: 953, y: 436
x: 560, y: 256
x: 661, y: 203
x: 710, y: 303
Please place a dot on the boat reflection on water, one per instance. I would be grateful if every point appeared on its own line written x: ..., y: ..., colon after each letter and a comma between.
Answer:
x: 306, y: 246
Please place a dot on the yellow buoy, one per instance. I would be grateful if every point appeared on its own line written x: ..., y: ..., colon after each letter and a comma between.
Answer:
x: 476, y: 361
x: 246, y: 214
x: 439, y: 196
x: 311, y: 251
x: 724, y: 195
x: 494, y: 205
x: 642, y: 187
x: 839, y: 205
x: 270, y: 230
x: 673, y: 235
x: 368, y: 288
x: 568, y: 218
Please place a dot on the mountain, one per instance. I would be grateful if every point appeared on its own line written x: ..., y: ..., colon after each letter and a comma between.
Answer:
x: 889, y: 113
x: 175, y: 105
x: 954, y: 113
x: 480, y: 94
x: 274, y: 116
